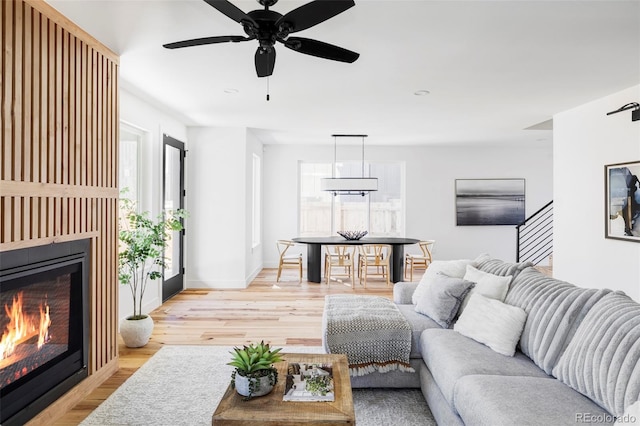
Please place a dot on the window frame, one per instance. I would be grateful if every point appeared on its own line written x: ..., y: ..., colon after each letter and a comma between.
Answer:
x: 333, y: 203
x: 256, y: 200
x: 140, y: 135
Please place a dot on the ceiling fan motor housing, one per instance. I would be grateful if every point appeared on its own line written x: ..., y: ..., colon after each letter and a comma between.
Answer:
x: 266, y: 31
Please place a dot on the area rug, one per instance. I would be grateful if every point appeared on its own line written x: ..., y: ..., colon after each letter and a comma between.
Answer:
x: 182, y: 385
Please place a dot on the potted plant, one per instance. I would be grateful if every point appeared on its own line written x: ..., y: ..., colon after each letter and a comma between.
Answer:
x: 254, y: 373
x: 141, y: 259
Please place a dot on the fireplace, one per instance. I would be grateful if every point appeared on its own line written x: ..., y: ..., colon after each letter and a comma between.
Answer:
x: 44, y: 298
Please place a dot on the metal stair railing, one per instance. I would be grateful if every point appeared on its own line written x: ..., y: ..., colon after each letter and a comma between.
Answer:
x: 535, y: 236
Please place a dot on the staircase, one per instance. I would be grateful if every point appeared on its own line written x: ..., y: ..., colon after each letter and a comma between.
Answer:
x: 535, y: 238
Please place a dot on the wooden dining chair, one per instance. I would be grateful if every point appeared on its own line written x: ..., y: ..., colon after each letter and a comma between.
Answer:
x: 374, y: 256
x: 292, y: 261
x: 368, y: 250
x: 419, y: 261
x: 340, y: 260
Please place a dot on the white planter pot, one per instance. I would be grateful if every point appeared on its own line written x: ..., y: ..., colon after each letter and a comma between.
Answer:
x: 262, y: 387
x: 136, y: 333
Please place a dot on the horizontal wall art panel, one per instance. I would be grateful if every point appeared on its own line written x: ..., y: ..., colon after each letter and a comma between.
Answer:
x: 490, y: 201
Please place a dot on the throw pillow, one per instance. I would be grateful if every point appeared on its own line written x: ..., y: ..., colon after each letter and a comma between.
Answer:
x: 492, y: 323
x: 602, y: 360
x: 442, y: 298
x: 489, y: 285
x: 451, y: 268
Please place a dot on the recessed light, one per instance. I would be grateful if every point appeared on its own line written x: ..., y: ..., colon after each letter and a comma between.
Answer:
x: 421, y: 92
x: 232, y: 91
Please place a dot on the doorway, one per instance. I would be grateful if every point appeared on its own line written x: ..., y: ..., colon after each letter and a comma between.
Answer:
x: 173, y: 198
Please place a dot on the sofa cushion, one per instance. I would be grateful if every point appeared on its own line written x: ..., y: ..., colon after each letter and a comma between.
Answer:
x: 512, y: 400
x: 554, y: 310
x: 418, y: 323
x: 443, y: 298
x: 450, y: 355
x: 502, y: 268
x: 492, y: 323
x: 602, y: 360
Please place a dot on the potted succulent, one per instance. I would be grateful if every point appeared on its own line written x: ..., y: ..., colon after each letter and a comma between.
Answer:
x: 141, y: 259
x: 254, y: 373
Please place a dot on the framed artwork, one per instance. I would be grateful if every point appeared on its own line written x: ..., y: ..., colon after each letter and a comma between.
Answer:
x: 489, y: 202
x: 622, y: 201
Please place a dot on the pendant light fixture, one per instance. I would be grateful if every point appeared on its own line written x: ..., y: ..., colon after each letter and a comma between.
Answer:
x: 348, y: 185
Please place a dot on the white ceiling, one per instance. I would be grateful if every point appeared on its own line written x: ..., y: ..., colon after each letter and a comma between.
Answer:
x: 493, y: 68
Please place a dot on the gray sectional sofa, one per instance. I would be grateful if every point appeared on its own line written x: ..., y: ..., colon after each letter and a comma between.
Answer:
x: 577, y: 360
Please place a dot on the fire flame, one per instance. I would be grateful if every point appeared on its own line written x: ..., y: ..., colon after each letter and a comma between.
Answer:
x: 23, y: 326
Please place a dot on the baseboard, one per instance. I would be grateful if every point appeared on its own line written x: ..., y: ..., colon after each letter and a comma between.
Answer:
x: 219, y: 285
x: 252, y: 276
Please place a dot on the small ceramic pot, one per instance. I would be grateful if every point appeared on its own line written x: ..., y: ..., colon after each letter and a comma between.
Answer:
x: 261, y: 385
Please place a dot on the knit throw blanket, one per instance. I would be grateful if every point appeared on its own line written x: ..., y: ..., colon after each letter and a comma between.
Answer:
x: 370, y: 330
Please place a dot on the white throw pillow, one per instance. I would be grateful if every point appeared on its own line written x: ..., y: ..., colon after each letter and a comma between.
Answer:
x: 489, y: 285
x: 492, y: 323
x: 631, y: 416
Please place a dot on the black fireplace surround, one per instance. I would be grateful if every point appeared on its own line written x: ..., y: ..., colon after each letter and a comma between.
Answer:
x: 44, y: 332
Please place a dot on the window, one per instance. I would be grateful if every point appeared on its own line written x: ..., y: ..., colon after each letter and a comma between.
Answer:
x: 128, y: 173
x: 256, y: 203
x: 315, y: 205
x: 380, y: 212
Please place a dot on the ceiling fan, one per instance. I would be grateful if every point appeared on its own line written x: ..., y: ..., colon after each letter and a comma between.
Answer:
x: 269, y: 27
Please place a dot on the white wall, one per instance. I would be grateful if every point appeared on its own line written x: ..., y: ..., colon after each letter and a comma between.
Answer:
x: 430, y: 186
x: 585, y: 139
x: 219, y: 175
x: 154, y: 123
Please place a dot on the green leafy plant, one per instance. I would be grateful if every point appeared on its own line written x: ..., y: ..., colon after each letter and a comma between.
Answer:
x: 255, y: 361
x: 141, y: 252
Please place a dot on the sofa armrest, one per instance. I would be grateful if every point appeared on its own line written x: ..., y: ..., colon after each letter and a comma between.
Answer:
x: 403, y: 291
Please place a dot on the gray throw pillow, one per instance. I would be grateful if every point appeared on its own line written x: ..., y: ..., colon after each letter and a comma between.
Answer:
x: 442, y: 298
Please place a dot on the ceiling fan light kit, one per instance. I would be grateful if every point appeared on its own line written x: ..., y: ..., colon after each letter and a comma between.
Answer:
x: 268, y: 27
x: 348, y: 185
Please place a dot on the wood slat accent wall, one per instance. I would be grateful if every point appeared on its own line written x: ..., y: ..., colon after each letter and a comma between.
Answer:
x: 59, y: 155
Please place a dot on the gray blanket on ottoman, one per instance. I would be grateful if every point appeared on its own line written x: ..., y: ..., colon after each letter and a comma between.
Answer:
x: 370, y: 330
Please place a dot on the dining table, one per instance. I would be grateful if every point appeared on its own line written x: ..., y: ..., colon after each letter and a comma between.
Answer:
x: 314, y: 253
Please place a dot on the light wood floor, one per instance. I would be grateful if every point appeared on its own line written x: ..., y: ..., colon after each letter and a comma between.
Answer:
x: 286, y: 313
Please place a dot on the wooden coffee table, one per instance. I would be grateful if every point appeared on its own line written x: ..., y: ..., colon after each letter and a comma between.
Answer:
x: 272, y: 410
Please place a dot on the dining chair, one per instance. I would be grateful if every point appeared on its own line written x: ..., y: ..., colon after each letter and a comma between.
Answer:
x: 340, y: 259
x: 290, y: 261
x: 374, y: 255
x: 367, y: 250
x: 419, y: 261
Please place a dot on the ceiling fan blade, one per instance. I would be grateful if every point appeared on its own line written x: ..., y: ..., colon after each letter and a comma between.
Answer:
x: 265, y: 61
x: 313, y: 13
x: 205, y: 40
x: 321, y: 49
x: 229, y: 9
